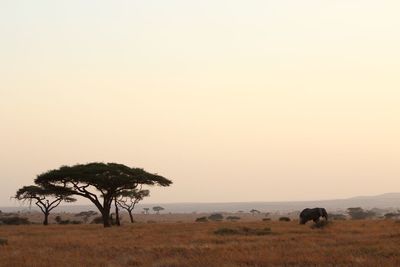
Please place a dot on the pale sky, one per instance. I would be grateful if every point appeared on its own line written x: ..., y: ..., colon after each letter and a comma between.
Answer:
x: 232, y: 100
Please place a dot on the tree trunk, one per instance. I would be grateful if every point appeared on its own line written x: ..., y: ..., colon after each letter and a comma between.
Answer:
x: 130, y: 215
x: 46, y: 218
x: 117, y: 221
x: 106, y: 218
x: 105, y: 212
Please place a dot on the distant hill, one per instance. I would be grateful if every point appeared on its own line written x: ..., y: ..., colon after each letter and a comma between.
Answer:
x: 384, y: 201
x: 383, y: 196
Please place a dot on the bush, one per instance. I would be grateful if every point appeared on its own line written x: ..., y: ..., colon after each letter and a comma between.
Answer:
x: 391, y: 215
x: 86, y: 213
x: 216, y: 217
x: 63, y: 222
x: 359, y: 214
x: 284, y: 219
x: 3, y: 242
x: 233, y: 218
x: 15, y: 220
x: 337, y: 216
x: 243, y: 231
x: 202, y: 219
x: 266, y: 219
x: 226, y: 231
x: 99, y: 220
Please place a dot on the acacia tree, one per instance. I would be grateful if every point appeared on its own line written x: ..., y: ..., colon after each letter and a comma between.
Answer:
x: 129, y: 198
x: 101, y: 183
x: 254, y: 211
x: 157, y: 209
x: 45, y: 199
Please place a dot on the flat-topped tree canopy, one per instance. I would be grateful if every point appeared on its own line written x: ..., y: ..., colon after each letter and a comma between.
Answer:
x: 34, y: 192
x: 45, y: 198
x: 98, y: 180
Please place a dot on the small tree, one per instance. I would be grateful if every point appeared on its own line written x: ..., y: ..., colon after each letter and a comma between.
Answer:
x: 359, y: 214
x: 254, y: 211
x: 45, y: 199
x: 146, y: 210
x: 129, y: 198
x: 157, y: 209
x: 99, y: 182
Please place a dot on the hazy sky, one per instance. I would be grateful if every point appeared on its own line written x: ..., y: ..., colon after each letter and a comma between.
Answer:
x: 232, y: 100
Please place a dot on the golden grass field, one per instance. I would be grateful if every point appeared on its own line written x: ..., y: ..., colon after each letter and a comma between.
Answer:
x: 342, y: 243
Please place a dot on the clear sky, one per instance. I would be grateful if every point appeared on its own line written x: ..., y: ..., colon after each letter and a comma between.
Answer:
x: 232, y: 100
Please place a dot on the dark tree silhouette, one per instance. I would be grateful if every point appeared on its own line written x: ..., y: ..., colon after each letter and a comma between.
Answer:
x: 146, y: 210
x: 44, y: 198
x: 101, y: 183
x: 129, y: 198
x: 254, y: 211
x: 157, y: 209
x: 358, y: 213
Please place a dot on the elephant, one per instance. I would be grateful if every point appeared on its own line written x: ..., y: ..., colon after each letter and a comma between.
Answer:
x: 313, y: 214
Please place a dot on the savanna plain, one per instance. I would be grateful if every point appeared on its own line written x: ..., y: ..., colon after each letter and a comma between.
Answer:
x: 182, y: 243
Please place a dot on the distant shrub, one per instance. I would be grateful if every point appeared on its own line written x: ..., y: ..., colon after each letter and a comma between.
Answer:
x: 202, y: 219
x: 3, y: 242
x: 338, y: 217
x: 63, y: 222
x: 243, y: 231
x: 266, y: 219
x: 14, y: 220
x: 254, y: 211
x: 58, y: 219
x: 391, y: 215
x: 233, y: 218
x: 86, y: 213
x: 150, y: 221
x: 226, y: 231
x: 216, y: 217
x: 284, y: 219
x: 97, y: 220
x: 360, y: 214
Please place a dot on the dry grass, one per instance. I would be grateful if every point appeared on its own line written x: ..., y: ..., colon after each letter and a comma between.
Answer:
x: 342, y: 243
